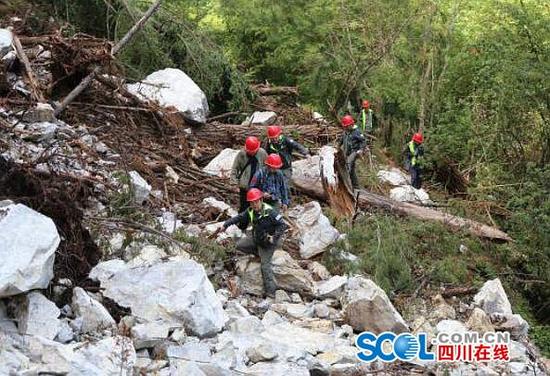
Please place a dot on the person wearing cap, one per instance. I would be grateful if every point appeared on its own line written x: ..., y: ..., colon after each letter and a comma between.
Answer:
x: 247, y: 161
x: 352, y: 144
x: 277, y: 143
x: 271, y: 181
x: 413, y: 151
x: 268, y: 228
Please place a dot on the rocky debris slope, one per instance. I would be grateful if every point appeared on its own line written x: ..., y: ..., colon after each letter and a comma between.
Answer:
x: 148, y: 307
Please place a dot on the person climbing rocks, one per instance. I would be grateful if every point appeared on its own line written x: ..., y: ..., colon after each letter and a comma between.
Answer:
x: 247, y: 161
x: 268, y: 228
x: 277, y: 143
x: 413, y: 151
x: 271, y: 181
x: 366, y: 116
x: 352, y: 144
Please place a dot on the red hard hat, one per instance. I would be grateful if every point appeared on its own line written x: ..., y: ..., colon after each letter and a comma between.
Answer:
x: 347, y: 121
x: 274, y: 131
x: 418, y: 138
x: 251, y: 145
x: 366, y: 104
x: 254, y: 194
x: 274, y: 161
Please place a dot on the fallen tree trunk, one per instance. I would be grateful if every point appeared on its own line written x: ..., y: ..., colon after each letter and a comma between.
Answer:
x: 336, y: 182
x: 276, y: 90
x: 227, y: 135
x: 366, y: 199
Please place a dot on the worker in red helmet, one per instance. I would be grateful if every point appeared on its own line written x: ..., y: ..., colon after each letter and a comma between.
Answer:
x: 247, y: 161
x: 366, y: 117
x: 272, y: 182
x: 268, y: 228
x: 277, y: 143
x: 413, y: 151
x: 352, y: 144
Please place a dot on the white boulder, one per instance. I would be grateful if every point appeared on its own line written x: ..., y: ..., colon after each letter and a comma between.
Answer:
x: 94, y: 316
x: 172, y: 88
x: 6, y: 40
x: 332, y: 288
x: 407, y: 193
x: 28, y: 241
x: 140, y: 187
x: 450, y: 327
x: 315, y: 231
x: 277, y: 369
x: 262, y: 118
x: 221, y: 165
x: 288, y: 274
x: 307, y: 168
x: 169, y: 222
x: 318, y: 271
x: 492, y: 298
x: 393, y: 176
x: 220, y: 206
x: 367, y: 308
x: 149, y: 334
x: 38, y: 316
x: 182, y: 294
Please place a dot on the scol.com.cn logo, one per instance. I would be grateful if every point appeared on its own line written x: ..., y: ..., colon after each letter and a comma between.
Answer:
x: 447, y: 347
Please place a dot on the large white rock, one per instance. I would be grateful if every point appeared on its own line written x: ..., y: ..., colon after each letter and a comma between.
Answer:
x: 37, y: 316
x: 277, y: 369
x: 315, y: 231
x: 307, y: 168
x: 492, y: 298
x: 28, y: 241
x: 221, y: 165
x: 149, y: 334
x: 288, y: 274
x: 407, y: 193
x: 40, y: 132
x: 393, y: 176
x: 220, y: 206
x: 110, y: 356
x: 450, y: 327
x: 173, y: 291
x: 173, y: 88
x: 169, y: 222
x: 140, y: 187
x: 262, y: 118
x: 94, y: 316
x: 367, y: 308
x: 332, y: 288
x: 6, y: 40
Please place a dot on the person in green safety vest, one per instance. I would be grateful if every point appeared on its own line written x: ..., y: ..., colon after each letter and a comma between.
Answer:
x: 413, y: 151
x: 268, y: 228
x: 277, y: 143
x: 366, y: 117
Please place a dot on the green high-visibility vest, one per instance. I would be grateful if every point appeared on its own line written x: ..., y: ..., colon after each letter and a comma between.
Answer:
x: 263, y: 212
x: 412, y: 149
x: 366, y: 121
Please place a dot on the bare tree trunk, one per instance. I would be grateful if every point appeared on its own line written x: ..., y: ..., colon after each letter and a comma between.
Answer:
x: 35, y: 87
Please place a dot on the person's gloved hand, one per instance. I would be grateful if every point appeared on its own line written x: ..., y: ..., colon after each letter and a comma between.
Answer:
x: 269, y: 239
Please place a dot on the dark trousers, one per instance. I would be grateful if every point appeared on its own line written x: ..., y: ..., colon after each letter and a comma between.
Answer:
x: 351, y: 169
x: 248, y: 245
x: 416, y: 180
x: 242, y: 200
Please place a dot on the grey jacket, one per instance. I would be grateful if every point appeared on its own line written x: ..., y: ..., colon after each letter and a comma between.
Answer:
x: 241, y: 172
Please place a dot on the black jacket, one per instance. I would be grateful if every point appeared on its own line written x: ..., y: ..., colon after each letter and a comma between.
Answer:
x: 284, y: 147
x: 352, y: 140
x: 264, y: 223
